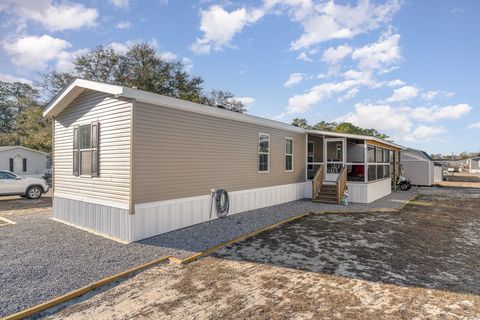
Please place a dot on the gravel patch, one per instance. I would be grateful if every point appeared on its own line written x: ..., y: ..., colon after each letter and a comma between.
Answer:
x: 42, y: 259
x: 208, y: 234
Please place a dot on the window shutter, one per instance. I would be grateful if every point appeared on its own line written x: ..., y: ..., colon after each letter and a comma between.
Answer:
x: 24, y: 164
x: 76, y: 152
x: 11, y: 164
x: 94, y: 144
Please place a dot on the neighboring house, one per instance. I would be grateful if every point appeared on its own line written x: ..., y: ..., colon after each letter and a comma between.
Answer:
x: 450, y: 164
x: 24, y: 161
x: 130, y: 164
x: 472, y: 165
x: 418, y: 167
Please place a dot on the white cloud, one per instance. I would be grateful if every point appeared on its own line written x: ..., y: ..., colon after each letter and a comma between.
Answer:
x: 474, y: 126
x: 294, y: 79
x: 247, y: 101
x: 429, y: 95
x: 220, y: 26
x: 32, y: 52
x: 395, y: 83
x: 403, y: 93
x: 381, y: 117
x: 335, y: 55
x: 333, y: 21
x: 424, y: 133
x: 52, y: 16
x: 350, y: 95
x: 435, y: 113
x: 377, y: 55
x: 304, y: 57
x: 120, y: 3
x: 123, y: 25
x: 9, y: 78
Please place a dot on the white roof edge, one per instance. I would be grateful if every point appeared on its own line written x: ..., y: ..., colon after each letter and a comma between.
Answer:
x: 3, y: 148
x: 354, y: 136
x: 73, y: 89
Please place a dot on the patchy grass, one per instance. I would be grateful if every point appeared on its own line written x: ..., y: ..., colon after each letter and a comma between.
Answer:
x: 420, y: 262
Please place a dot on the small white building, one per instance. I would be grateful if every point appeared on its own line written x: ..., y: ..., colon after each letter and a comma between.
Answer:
x: 472, y: 165
x: 24, y: 161
x: 418, y: 167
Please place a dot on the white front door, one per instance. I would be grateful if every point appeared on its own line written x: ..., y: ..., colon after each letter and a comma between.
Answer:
x: 18, y: 164
x: 334, y: 157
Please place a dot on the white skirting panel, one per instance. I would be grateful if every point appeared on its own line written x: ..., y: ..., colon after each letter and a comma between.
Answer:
x: 97, y: 218
x: 369, y: 192
x: 154, y: 218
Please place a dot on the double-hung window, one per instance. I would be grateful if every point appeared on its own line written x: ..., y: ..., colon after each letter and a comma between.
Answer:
x: 288, y: 154
x: 85, y: 149
x: 263, y: 152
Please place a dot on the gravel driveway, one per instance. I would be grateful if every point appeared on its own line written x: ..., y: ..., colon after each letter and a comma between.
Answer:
x: 42, y: 259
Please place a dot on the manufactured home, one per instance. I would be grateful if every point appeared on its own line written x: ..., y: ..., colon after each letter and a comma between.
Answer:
x: 130, y: 164
x: 24, y: 161
x: 419, y: 168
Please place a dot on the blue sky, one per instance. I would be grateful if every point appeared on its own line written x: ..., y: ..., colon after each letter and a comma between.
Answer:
x: 407, y: 68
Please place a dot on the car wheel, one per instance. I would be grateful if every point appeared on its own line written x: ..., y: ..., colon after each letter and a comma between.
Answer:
x: 34, y: 192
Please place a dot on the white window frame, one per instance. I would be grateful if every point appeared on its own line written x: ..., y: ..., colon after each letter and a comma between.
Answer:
x: 313, y: 156
x: 289, y: 154
x: 80, y: 174
x: 267, y: 153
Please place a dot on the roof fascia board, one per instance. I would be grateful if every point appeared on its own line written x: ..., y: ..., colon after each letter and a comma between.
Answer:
x: 73, y: 90
x: 354, y: 136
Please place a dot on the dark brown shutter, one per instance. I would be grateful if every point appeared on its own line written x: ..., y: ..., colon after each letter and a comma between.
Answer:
x: 94, y: 143
x: 24, y: 164
x: 76, y: 152
x: 11, y: 164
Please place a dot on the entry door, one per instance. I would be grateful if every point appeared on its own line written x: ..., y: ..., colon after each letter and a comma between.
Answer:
x: 334, y: 157
x: 18, y: 164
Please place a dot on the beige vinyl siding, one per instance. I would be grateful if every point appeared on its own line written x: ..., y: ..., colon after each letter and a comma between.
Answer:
x: 114, y: 117
x: 179, y: 154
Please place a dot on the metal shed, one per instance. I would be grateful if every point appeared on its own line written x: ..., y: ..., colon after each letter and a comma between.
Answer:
x: 418, y: 166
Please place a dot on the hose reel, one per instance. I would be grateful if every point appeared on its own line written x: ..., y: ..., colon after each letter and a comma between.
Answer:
x: 222, y: 202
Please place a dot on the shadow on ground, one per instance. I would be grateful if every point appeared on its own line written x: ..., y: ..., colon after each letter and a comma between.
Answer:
x: 432, y: 243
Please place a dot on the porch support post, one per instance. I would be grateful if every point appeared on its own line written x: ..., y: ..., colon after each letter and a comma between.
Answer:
x: 395, y: 170
x: 365, y: 161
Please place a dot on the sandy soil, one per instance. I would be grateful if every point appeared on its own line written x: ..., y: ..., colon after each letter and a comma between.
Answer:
x: 461, y: 180
x: 421, y: 262
x: 14, y: 205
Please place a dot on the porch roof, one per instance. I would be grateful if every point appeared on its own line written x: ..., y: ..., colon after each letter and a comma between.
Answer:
x: 370, y: 139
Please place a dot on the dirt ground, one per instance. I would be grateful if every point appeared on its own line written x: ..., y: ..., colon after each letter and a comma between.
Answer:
x: 461, y: 179
x: 15, y: 205
x: 420, y: 262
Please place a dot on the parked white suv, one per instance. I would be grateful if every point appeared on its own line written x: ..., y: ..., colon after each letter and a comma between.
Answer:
x: 11, y: 184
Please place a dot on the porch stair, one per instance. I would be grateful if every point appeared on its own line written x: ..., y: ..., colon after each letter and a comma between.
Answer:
x: 329, y: 191
x: 327, y: 194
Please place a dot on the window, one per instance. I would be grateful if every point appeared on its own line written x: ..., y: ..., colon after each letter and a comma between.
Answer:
x: 356, y: 172
x: 24, y: 164
x: 288, y: 154
x: 310, y: 155
x: 371, y: 154
x: 263, y: 152
x: 7, y: 176
x: 378, y: 163
x: 85, y: 149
